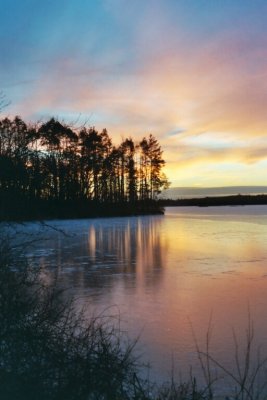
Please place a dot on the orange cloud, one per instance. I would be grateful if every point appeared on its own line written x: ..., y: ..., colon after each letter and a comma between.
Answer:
x: 210, y: 90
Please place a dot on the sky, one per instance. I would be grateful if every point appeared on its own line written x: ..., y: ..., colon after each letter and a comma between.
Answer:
x: 191, y: 72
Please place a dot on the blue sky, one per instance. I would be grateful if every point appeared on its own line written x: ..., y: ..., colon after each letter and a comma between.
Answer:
x: 192, y: 72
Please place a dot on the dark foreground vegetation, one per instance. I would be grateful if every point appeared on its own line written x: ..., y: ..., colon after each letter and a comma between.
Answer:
x: 54, y: 170
x: 235, y: 200
x: 49, y: 351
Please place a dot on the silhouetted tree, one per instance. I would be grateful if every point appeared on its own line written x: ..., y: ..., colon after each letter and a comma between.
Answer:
x: 58, y: 140
x: 152, y: 180
x: 52, y: 162
x: 129, y: 169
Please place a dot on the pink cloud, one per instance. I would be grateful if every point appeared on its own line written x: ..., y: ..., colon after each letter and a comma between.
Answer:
x: 218, y: 87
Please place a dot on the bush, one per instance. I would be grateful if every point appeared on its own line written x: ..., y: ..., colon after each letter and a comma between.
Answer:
x: 47, y: 351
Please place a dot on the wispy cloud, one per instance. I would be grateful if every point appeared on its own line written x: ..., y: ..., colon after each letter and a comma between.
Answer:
x: 182, y: 71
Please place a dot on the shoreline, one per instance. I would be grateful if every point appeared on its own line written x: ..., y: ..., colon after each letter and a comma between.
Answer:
x: 212, y: 201
x: 28, y: 210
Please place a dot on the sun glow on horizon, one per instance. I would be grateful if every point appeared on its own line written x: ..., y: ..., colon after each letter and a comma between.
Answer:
x: 191, y: 73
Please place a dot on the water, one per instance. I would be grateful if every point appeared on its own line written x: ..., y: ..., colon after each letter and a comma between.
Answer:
x: 167, y: 277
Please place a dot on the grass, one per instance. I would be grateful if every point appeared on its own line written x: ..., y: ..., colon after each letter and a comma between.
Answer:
x: 49, y: 352
x: 247, y: 379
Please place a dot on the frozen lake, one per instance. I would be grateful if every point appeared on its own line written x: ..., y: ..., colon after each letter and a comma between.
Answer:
x: 167, y: 276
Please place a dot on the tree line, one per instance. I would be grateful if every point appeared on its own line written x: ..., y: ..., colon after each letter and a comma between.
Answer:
x: 55, y: 161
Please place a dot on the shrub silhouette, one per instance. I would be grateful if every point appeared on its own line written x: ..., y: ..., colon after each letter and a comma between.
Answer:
x: 48, y: 351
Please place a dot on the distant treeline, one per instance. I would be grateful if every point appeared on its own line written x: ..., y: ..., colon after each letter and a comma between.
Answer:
x: 52, y: 169
x: 235, y: 200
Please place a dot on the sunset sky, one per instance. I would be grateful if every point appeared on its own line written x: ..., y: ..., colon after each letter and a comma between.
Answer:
x: 192, y: 72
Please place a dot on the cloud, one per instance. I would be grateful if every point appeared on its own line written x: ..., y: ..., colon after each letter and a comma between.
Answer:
x: 217, y: 87
x: 200, y: 88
